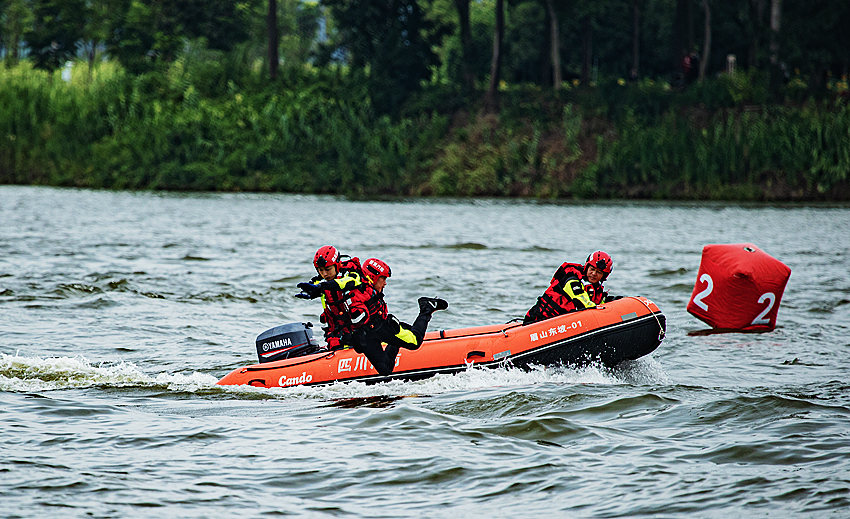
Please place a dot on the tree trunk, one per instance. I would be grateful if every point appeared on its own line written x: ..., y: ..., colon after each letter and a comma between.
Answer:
x: 92, y: 54
x: 586, y: 49
x: 756, y: 17
x: 467, y: 77
x: 274, y: 38
x: 12, y: 50
x: 635, y: 70
x: 706, y: 45
x: 680, y: 46
x: 491, y: 100
x: 555, y: 44
x: 775, y: 22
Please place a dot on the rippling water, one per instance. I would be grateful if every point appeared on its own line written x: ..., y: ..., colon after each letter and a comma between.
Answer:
x: 119, y: 311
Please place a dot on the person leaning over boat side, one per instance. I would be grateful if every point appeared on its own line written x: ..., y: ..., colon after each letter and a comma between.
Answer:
x: 337, y: 276
x: 372, y: 324
x: 574, y: 287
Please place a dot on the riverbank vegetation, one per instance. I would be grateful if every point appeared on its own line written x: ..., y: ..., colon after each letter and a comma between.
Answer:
x: 419, y: 106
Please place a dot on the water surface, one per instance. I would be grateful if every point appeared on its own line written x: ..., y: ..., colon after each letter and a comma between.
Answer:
x: 119, y: 311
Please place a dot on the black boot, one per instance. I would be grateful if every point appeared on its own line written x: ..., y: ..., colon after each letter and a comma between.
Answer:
x: 427, y: 306
x: 430, y: 305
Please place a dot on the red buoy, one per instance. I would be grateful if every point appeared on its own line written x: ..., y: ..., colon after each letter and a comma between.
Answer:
x: 738, y: 288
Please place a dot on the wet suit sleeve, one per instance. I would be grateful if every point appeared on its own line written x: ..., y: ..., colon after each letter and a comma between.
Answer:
x: 335, y: 286
x: 348, y: 281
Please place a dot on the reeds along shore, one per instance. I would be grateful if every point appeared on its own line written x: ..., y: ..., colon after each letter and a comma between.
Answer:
x: 180, y: 129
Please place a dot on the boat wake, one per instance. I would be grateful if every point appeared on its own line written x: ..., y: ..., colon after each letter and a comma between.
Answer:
x: 33, y: 374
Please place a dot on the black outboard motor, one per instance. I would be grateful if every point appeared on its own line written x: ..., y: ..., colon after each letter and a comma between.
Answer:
x: 286, y: 341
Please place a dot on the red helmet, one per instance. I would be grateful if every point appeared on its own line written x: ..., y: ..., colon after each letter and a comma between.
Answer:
x: 326, y: 256
x: 601, y: 261
x: 373, y: 268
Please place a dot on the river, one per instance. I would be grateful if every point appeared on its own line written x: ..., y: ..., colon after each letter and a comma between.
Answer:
x: 119, y: 311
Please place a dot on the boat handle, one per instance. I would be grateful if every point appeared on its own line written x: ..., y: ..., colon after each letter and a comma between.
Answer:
x: 476, y: 353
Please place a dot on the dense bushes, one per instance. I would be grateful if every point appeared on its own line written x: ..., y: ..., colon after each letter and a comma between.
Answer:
x: 208, y: 124
x: 158, y: 131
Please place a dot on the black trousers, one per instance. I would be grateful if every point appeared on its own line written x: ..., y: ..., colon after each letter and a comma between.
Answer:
x: 396, y: 334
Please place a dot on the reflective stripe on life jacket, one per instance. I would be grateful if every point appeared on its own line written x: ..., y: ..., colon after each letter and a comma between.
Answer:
x: 367, y: 306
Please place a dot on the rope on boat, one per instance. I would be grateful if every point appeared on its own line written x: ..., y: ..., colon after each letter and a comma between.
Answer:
x: 661, y: 333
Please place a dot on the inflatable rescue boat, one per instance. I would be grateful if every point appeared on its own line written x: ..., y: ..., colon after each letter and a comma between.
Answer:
x: 625, y: 329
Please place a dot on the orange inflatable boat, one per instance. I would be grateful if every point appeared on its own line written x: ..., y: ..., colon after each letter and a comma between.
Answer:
x: 625, y: 329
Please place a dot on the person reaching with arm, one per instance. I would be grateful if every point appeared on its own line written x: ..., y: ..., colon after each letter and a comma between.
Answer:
x: 337, y: 276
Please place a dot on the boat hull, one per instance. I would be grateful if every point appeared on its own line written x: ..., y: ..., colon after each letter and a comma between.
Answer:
x: 621, y: 330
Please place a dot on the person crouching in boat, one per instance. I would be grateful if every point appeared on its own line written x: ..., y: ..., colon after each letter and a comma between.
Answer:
x: 337, y: 276
x: 373, y: 325
x: 574, y: 287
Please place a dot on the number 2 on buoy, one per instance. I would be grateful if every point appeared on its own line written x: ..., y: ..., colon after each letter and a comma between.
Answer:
x: 771, y: 299
x: 698, y: 299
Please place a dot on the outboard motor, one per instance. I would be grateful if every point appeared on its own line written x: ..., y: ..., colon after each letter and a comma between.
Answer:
x: 286, y: 341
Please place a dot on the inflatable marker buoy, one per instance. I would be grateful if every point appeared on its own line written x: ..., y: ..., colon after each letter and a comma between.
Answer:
x: 738, y: 288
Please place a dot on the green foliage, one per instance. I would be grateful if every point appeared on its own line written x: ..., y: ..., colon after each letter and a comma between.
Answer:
x: 384, y: 111
x: 15, y: 17
x: 175, y: 130
x: 391, y: 43
x: 58, y: 24
x: 145, y: 33
x: 204, y: 124
x: 730, y: 154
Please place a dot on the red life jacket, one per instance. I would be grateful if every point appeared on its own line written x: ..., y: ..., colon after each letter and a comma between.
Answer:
x: 367, y: 306
x: 556, y: 299
x: 349, y: 264
x: 336, y: 315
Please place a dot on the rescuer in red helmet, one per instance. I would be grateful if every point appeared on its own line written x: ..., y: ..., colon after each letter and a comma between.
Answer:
x: 337, y: 275
x: 574, y: 287
x: 373, y: 325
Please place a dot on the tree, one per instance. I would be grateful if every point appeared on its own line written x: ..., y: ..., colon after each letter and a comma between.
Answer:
x: 273, y: 38
x: 16, y: 19
x: 706, y: 45
x: 390, y: 42
x: 57, y: 27
x: 634, y: 72
x: 682, y: 37
x: 98, y: 20
x: 467, y: 77
x: 555, y: 44
x: 586, y: 47
x: 491, y: 98
x: 298, y: 30
x: 756, y: 15
x: 146, y: 32
x: 775, y: 23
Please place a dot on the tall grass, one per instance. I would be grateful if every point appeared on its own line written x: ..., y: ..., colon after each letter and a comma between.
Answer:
x: 686, y: 154
x: 172, y: 130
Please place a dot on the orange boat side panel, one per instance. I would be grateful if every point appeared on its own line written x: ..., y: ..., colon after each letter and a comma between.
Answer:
x: 441, y: 349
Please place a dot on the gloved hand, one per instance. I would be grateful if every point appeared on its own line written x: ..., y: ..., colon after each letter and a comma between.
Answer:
x: 608, y: 299
x: 333, y: 343
x: 309, y: 291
